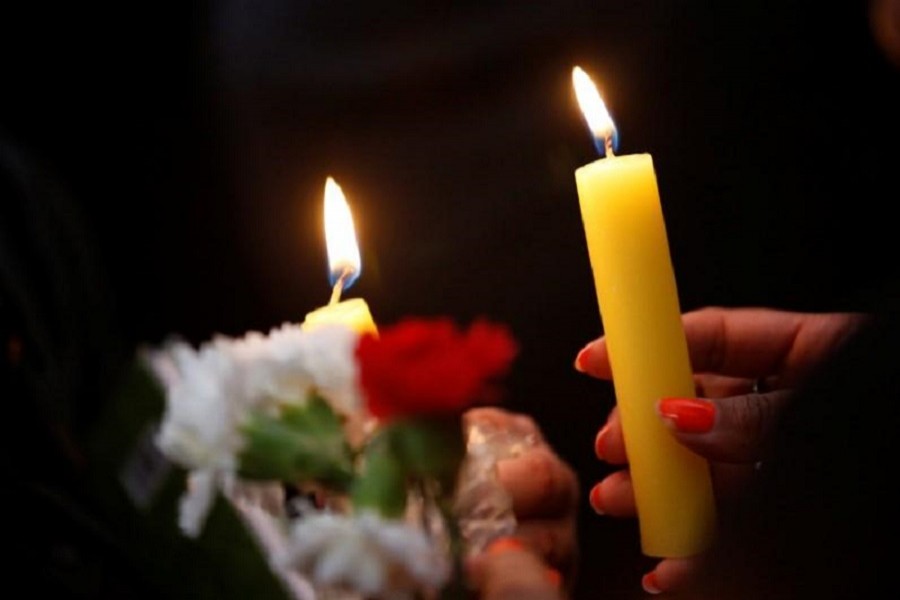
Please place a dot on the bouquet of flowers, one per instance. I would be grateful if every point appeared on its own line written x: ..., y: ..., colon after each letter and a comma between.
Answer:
x: 345, y: 455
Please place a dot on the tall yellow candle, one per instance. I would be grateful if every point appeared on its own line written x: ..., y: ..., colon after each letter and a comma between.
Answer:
x: 344, y: 264
x: 639, y: 309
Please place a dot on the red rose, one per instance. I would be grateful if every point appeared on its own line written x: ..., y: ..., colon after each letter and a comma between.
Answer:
x: 422, y: 366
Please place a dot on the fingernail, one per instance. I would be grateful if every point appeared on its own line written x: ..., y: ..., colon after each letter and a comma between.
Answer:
x: 649, y: 583
x: 688, y: 415
x: 504, y: 544
x: 600, y: 443
x: 581, y: 359
x: 553, y: 576
x: 595, y: 501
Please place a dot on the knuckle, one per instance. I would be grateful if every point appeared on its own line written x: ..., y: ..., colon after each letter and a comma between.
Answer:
x: 545, y: 541
x: 554, y: 543
x: 754, y: 414
x: 544, y: 471
x: 748, y: 415
x: 553, y: 479
x: 484, y: 415
x: 526, y: 424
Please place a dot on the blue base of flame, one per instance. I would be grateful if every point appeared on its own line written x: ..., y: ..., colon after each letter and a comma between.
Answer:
x: 334, y: 275
x: 600, y: 143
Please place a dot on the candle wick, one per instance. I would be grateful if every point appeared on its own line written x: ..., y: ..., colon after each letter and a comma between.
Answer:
x: 339, y: 285
x: 608, y: 145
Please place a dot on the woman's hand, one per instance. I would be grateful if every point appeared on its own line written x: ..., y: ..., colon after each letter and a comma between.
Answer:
x: 544, y: 492
x: 746, y: 362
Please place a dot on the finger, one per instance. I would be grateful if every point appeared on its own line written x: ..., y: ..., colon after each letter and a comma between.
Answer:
x: 709, y: 385
x: 593, y: 359
x: 671, y: 575
x: 506, y: 571
x: 554, y: 540
x: 539, y: 483
x: 733, y: 429
x: 739, y: 342
x: 757, y: 342
x: 614, y: 496
x: 609, y: 445
x: 498, y: 419
x: 746, y: 342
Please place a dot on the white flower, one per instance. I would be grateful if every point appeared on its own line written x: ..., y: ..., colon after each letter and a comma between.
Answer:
x: 329, y: 357
x: 197, y: 501
x: 211, y: 391
x: 294, y: 360
x: 198, y: 428
x: 366, y: 553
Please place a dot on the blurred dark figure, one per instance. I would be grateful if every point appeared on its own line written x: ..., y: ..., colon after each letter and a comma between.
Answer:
x: 96, y: 120
x: 60, y: 358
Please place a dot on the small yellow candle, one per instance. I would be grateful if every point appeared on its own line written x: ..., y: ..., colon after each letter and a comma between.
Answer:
x: 353, y: 313
x: 638, y: 300
x: 344, y: 263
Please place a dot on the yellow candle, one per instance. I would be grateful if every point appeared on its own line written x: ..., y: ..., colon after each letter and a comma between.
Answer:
x: 354, y: 313
x: 344, y: 263
x: 639, y: 309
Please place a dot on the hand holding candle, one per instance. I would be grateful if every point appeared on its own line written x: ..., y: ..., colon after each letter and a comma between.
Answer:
x: 344, y: 266
x: 638, y: 300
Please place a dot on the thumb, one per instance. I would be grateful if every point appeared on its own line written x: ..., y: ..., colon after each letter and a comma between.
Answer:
x: 732, y: 430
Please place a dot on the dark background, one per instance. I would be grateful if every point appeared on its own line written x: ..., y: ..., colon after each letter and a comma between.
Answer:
x: 187, y: 148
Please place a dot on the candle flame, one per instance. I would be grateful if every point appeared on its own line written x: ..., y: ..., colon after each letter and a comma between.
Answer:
x: 603, y: 130
x: 340, y: 237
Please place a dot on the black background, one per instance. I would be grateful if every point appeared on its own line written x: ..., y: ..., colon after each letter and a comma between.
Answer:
x: 194, y: 141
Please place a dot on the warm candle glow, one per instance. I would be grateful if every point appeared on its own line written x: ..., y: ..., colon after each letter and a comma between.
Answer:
x: 340, y: 237
x: 343, y: 266
x: 600, y: 123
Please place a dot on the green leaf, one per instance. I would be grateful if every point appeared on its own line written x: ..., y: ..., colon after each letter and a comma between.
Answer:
x: 382, y: 484
x: 302, y: 443
x: 429, y: 448
x: 226, y: 547
x: 315, y: 415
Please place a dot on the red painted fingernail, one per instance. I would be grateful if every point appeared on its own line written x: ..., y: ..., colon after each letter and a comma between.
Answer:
x: 649, y: 583
x: 600, y: 443
x: 595, y: 501
x: 688, y: 415
x: 582, y: 358
x: 504, y: 544
x: 553, y: 576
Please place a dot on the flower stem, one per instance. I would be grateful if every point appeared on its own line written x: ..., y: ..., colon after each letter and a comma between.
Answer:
x: 456, y: 588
